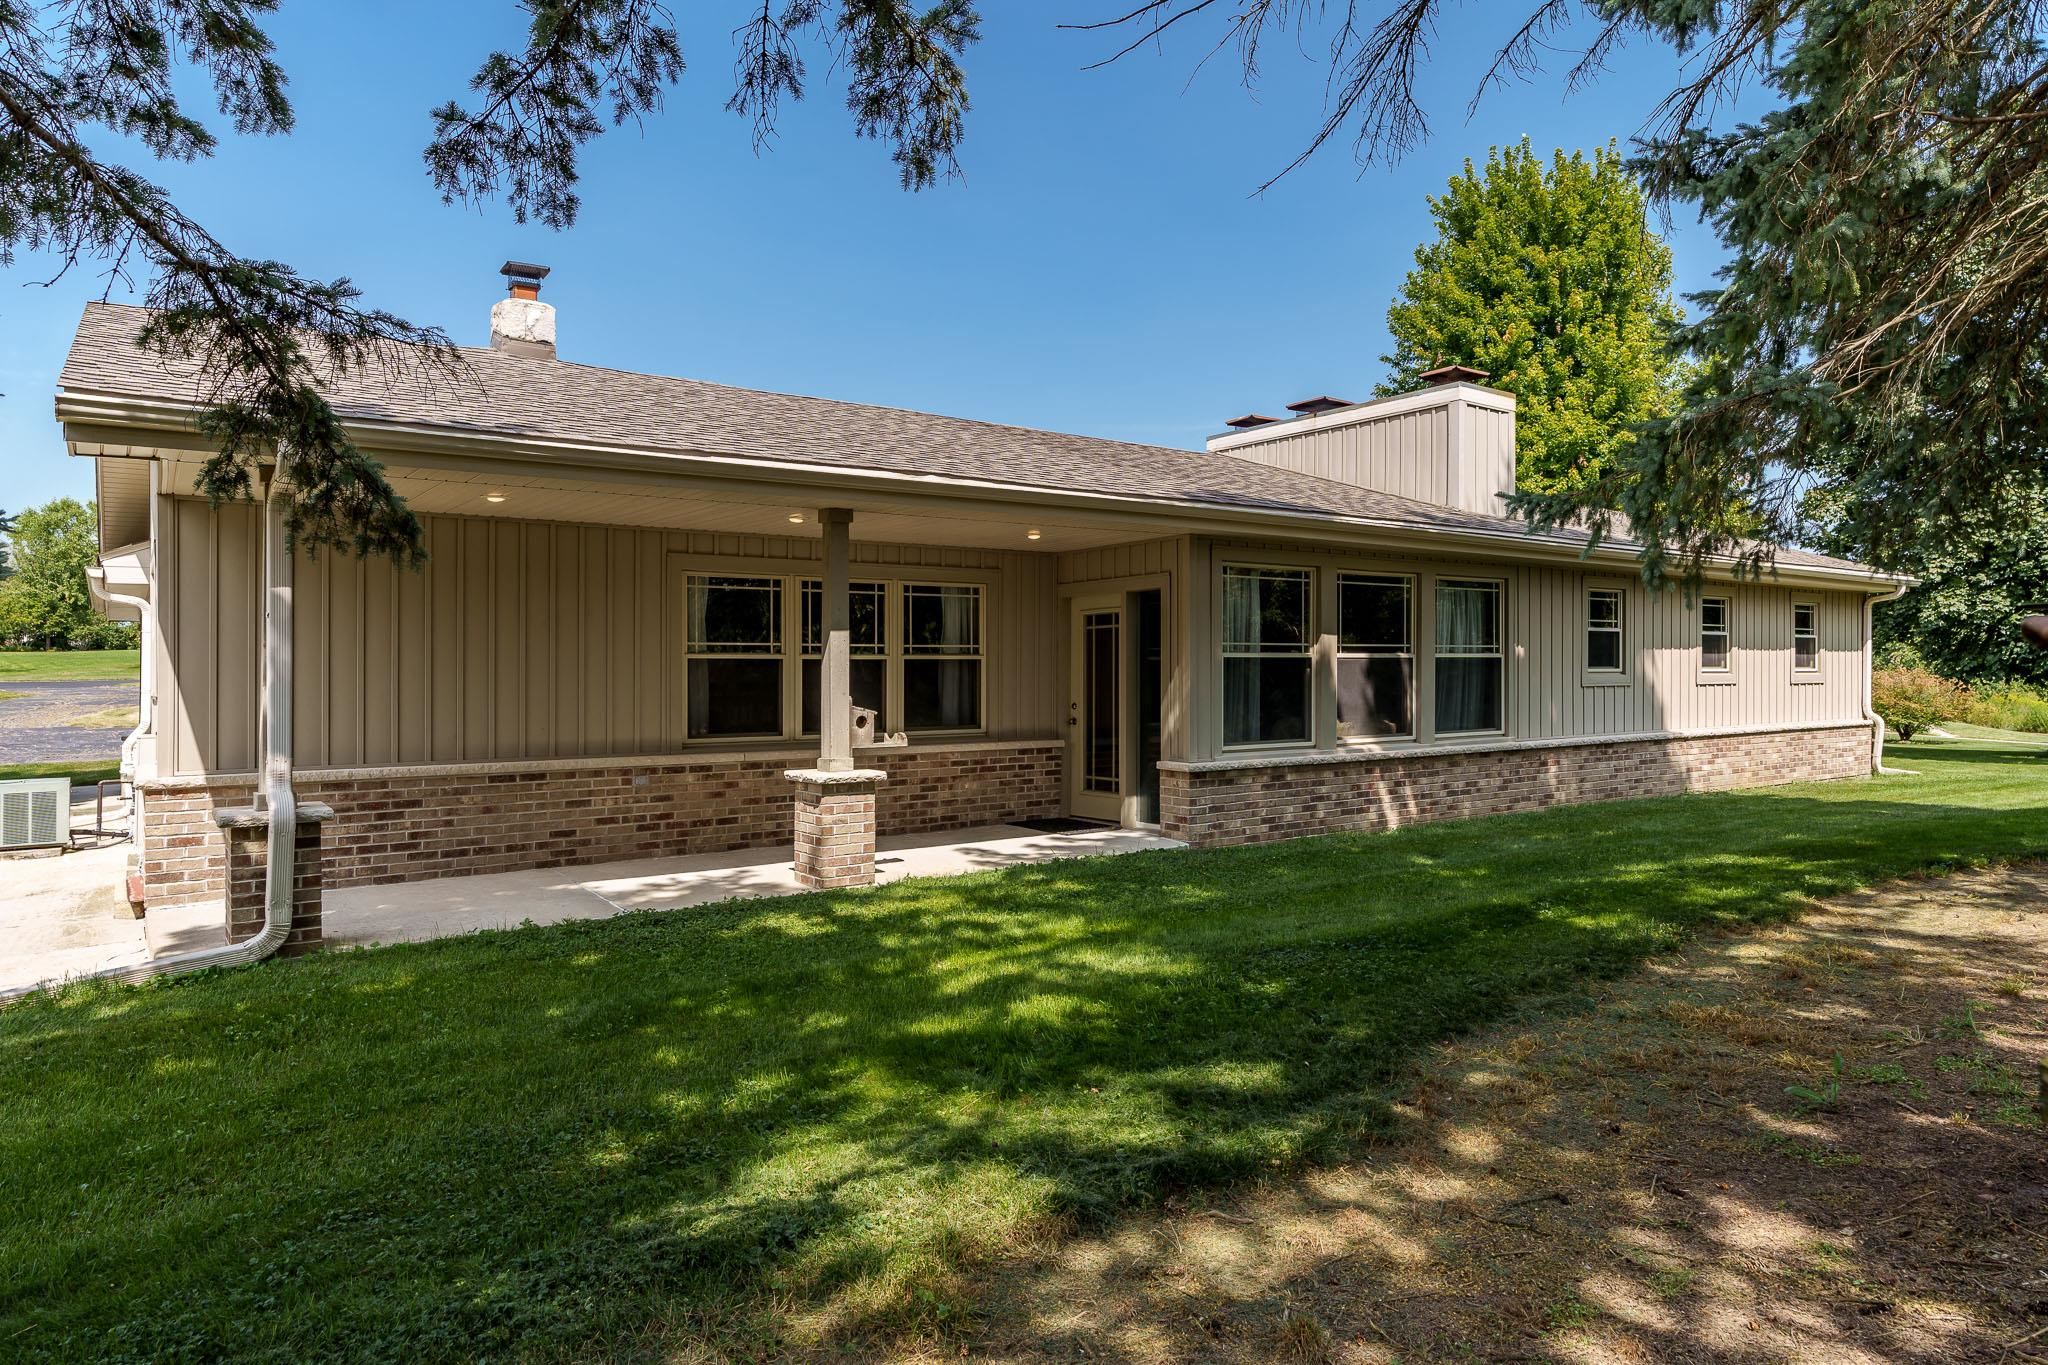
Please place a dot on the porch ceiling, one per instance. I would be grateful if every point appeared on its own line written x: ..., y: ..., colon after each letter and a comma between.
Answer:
x: 611, y: 498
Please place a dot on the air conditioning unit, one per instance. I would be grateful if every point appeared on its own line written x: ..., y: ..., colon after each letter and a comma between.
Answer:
x: 35, y: 813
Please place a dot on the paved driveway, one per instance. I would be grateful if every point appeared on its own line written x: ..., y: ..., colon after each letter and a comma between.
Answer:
x: 43, y: 725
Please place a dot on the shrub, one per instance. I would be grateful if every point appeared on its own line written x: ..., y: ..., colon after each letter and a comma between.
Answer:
x: 2009, y: 706
x: 1911, y: 699
x: 1901, y: 654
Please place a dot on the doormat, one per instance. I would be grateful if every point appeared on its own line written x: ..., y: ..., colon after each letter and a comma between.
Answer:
x: 1062, y: 824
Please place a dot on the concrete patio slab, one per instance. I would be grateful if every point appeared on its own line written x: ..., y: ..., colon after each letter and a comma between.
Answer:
x: 414, y: 911
x: 64, y: 915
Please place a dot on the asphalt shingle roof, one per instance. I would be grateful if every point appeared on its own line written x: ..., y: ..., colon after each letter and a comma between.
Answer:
x: 510, y: 395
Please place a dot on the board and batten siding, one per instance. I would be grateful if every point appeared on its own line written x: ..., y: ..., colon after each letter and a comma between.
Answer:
x: 1455, y: 449
x: 1550, y: 694
x: 518, y: 640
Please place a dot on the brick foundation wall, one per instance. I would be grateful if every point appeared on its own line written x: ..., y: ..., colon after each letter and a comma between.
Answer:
x: 1277, y: 799
x: 396, y: 825
x: 248, y: 849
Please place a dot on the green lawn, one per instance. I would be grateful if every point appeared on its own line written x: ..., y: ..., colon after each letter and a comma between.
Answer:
x: 82, y: 772
x: 70, y: 665
x: 618, y: 1139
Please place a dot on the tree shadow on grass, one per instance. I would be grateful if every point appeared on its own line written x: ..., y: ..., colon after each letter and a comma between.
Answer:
x: 607, y: 1138
x: 1680, y: 1172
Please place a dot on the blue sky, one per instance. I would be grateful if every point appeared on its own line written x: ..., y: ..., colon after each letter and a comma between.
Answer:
x: 1103, y: 267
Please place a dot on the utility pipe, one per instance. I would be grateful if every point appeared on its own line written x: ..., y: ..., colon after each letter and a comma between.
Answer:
x: 280, y: 802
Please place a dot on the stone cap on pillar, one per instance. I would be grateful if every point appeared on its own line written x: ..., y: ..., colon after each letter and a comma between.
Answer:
x: 821, y: 777
x: 248, y: 817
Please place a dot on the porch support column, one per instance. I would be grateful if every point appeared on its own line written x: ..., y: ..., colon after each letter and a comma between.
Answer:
x: 835, y: 801
x: 835, y: 674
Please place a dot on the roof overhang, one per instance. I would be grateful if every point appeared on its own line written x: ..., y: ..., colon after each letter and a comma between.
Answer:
x: 112, y: 426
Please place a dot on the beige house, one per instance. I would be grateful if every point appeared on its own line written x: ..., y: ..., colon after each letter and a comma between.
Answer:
x: 649, y: 602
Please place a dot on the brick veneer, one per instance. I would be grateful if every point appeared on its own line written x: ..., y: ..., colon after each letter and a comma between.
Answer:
x: 398, y: 825
x: 247, y: 854
x: 1282, y: 799
x: 835, y: 831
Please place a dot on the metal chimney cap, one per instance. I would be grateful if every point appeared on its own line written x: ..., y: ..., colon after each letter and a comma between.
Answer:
x: 1322, y: 402
x: 1249, y: 420
x: 1453, y: 374
x: 523, y: 270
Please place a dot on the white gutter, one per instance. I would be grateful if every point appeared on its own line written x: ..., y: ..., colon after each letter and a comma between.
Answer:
x: 1870, y: 715
x: 280, y: 803
x: 575, y: 456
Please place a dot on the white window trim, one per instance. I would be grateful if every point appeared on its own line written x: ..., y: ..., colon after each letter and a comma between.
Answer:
x: 1410, y: 585
x: 1224, y: 653
x: 1500, y: 652
x: 898, y: 645
x: 1711, y: 674
x: 793, y: 655
x: 892, y: 717
x: 1620, y: 675
x: 1806, y: 673
x: 780, y: 654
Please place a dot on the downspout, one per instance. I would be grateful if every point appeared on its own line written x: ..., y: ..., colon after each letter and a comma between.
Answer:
x: 280, y: 802
x: 1870, y: 716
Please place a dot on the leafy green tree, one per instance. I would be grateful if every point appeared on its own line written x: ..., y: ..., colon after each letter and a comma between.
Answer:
x: 49, y: 601
x: 6, y: 559
x: 1963, y: 618
x: 1879, y: 330
x: 1549, y: 278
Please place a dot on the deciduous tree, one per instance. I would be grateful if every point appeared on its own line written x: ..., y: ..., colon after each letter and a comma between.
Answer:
x: 1549, y: 278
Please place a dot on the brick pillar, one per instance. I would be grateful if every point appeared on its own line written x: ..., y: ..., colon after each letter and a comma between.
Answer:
x: 835, y: 827
x: 248, y: 839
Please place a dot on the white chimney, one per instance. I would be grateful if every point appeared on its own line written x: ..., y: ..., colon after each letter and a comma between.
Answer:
x: 522, y: 324
x: 1451, y: 443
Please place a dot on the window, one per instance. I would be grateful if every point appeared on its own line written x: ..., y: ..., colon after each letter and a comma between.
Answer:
x: 869, y: 603
x: 1375, y: 657
x: 941, y: 657
x: 1469, y: 662
x: 1714, y: 634
x: 1266, y: 671
x: 1603, y: 630
x: 734, y: 657
x: 1805, y: 637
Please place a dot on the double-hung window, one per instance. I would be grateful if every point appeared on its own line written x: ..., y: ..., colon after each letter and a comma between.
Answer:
x: 942, y: 659
x: 1470, y: 666
x: 1603, y: 630
x: 1267, y: 674
x: 869, y: 648
x: 1714, y: 634
x: 1375, y: 656
x: 1805, y: 637
x: 734, y: 657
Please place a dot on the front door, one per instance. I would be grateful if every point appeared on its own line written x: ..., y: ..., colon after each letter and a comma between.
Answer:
x: 1095, y: 710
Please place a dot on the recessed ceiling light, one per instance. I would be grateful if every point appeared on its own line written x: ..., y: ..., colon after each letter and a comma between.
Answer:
x: 1032, y: 534
x: 796, y: 518
x: 494, y: 497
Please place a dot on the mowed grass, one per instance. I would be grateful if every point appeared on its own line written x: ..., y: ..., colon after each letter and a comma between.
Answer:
x: 726, y: 1130
x: 82, y: 772
x: 69, y: 665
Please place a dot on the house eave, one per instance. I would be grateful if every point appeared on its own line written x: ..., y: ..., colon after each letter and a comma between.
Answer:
x: 96, y: 419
